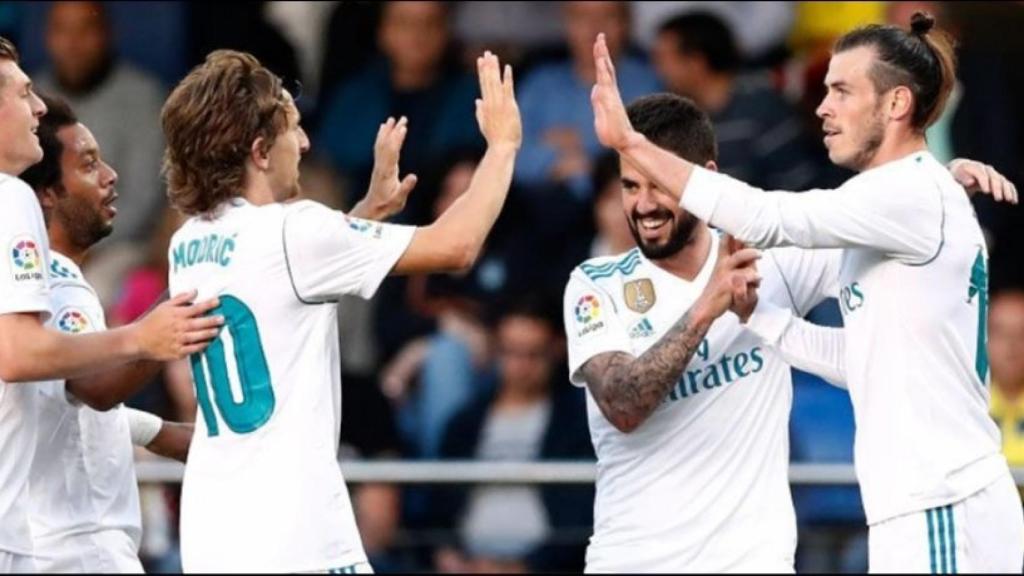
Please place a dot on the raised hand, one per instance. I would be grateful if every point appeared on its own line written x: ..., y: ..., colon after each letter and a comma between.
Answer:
x: 977, y: 177
x: 497, y: 112
x: 177, y: 328
x: 387, y: 193
x: 610, y: 119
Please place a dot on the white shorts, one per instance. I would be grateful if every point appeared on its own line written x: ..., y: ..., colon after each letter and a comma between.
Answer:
x: 104, y: 552
x: 16, y: 563
x: 982, y: 533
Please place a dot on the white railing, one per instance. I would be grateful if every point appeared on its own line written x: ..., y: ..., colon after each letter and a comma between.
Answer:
x: 477, y: 472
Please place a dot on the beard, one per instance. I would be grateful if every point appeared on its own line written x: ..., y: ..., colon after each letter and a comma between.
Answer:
x: 679, y: 237
x: 873, y: 136
x: 83, y: 222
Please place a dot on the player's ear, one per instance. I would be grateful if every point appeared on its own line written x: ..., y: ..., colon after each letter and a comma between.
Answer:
x: 710, y: 165
x: 901, y: 103
x: 48, y: 197
x: 260, y: 153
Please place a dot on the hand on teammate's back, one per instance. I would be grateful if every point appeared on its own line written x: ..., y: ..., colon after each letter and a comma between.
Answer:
x: 497, y: 112
x: 177, y: 328
x: 733, y: 282
x: 977, y: 177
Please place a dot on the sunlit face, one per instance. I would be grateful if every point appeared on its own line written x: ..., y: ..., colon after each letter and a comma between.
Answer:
x: 525, y: 353
x: 660, y: 227
x: 1006, y: 339
x: 852, y: 111
x: 20, y: 111
x: 285, y: 155
x: 84, y: 206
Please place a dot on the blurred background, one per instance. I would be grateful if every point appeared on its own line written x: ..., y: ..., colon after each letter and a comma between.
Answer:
x: 440, y: 367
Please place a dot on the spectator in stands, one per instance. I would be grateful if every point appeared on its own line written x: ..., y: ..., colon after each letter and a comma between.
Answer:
x: 1006, y: 353
x: 760, y: 135
x: 559, y: 144
x: 530, y: 415
x: 120, y: 103
x: 445, y: 361
x: 417, y: 78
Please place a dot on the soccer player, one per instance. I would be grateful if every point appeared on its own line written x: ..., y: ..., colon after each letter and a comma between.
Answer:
x: 84, y: 501
x: 689, y: 418
x: 30, y: 352
x: 937, y: 492
x: 262, y: 488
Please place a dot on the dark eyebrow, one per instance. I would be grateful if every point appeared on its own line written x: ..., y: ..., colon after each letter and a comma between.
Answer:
x: 629, y: 182
x: 837, y: 84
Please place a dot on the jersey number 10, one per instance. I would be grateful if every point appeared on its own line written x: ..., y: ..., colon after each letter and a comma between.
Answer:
x: 257, y: 403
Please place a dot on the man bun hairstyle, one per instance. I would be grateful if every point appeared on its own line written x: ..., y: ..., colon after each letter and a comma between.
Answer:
x: 920, y: 58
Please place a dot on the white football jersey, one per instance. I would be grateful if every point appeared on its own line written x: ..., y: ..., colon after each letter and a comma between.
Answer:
x: 702, y: 484
x: 262, y: 489
x: 84, y: 493
x: 24, y: 287
x: 914, y: 285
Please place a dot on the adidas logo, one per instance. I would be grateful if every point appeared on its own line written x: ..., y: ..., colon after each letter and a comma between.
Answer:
x: 641, y: 329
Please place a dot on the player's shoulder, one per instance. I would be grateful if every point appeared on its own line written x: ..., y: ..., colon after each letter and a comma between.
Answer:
x: 605, y: 271
x: 16, y: 192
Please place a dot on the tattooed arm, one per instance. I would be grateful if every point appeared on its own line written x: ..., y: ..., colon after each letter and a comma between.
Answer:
x: 628, y: 389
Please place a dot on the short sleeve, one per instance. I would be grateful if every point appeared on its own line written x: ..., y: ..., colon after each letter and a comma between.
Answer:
x: 592, y: 325
x: 24, y: 286
x: 329, y: 254
x: 76, y: 310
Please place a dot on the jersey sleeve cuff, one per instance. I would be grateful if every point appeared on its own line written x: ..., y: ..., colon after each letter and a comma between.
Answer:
x: 701, y: 194
x: 383, y: 267
x: 36, y: 304
x: 768, y: 321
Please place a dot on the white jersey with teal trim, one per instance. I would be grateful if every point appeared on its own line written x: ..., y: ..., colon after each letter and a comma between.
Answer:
x: 702, y: 484
x: 84, y: 506
x: 914, y: 299
x: 24, y: 288
x: 262, y: 489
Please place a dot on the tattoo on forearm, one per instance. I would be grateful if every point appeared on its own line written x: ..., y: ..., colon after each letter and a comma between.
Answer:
x: 628, y: 389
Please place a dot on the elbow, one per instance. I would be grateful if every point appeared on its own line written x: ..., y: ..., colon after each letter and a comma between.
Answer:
x: 13, y: 370
x: 462, y: 255
x: 97, y: 400
x: 466, y: 258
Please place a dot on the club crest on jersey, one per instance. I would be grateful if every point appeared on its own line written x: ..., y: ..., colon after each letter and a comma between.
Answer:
x: 72, y: 321
x: 588, y: 315
x: 26, y: 263
x: 639, y: 295
x: 365, y: 226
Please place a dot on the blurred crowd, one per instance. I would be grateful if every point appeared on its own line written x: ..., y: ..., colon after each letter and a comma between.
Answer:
x: 473, y: 366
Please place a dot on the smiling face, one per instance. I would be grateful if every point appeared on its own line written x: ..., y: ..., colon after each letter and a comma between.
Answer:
x: 660, y: 227
x: 852, y: 111
x: 20, y: 111
x: 84, y: 204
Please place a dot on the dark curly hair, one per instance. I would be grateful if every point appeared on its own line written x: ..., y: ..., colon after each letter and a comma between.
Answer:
x: 210, y: 122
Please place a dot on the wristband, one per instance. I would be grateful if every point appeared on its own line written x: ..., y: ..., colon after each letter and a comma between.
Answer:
x: 143, y: 426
